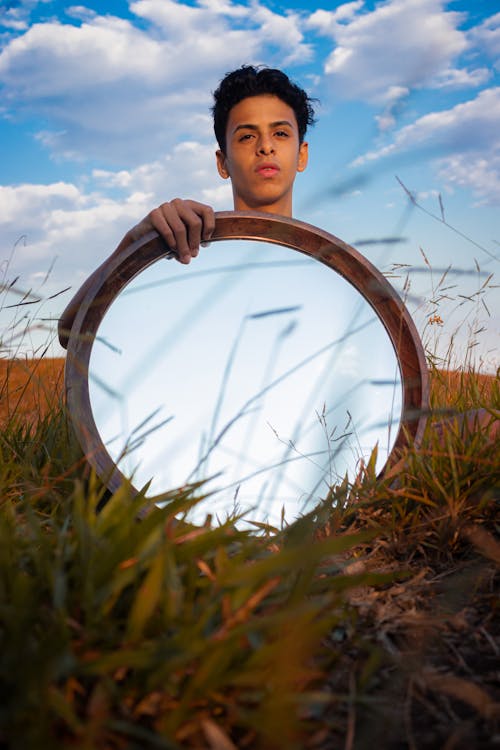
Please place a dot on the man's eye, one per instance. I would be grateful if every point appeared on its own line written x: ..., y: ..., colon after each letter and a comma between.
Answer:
x: 246, y: 137
x: 282, y: 133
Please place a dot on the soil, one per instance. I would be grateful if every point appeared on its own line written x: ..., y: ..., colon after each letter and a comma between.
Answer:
x: 423, y: 669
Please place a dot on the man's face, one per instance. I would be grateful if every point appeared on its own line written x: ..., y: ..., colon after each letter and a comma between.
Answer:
x: 263, y: 154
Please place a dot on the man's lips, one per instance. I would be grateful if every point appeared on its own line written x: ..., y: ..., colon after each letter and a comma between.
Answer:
x: 267, y: 169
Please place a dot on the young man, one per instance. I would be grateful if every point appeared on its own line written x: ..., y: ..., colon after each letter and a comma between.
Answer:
x: 260, y: 120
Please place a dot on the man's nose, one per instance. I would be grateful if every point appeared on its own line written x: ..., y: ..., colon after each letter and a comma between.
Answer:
x: 265, y: 145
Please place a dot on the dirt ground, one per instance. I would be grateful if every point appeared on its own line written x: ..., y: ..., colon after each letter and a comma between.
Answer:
x: 423, y: 668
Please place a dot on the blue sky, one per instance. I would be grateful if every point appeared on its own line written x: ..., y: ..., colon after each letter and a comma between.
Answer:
x: 104, y: 113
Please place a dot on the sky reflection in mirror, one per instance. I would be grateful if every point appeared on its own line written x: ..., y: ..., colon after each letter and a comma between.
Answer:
x: 255, y: 368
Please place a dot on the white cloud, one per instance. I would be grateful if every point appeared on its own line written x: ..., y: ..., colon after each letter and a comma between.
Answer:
x: 486, y: 37
x: 112, y: 89
x: 327, y: 21
x: 15, y: 15
x: 476, y: 172
x: 460, y: 78
x: 463, y: 127
x: 80, y: 12
x: 401, y: 43
x: 81, y: 224
x: 224, y: 8
x: 23, y: 204
x: 70, y: 229
x: 219, y: 197
x: 121, y: 179
x: 468, y: 133
x: 177, y: 18
x: 54, y: 59
x: 385, y: 121
x: 12, y: 20
x: 274, y: 27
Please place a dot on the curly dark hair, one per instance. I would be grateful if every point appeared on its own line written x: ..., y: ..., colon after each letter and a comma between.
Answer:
x: 253, y: 81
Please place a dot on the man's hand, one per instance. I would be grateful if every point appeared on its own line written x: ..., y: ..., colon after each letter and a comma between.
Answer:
x: 183, y: 224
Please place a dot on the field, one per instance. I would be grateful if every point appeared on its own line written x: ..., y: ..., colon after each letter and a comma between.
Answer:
x: 371, y: 623
x: 29, y: 387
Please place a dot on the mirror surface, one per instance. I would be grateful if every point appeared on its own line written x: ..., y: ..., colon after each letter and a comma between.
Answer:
x: 255, y: 368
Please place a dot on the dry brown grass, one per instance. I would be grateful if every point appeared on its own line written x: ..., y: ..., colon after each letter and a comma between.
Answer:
x: 447, y: 385
x: 408, y: 661
x: 29, y: 388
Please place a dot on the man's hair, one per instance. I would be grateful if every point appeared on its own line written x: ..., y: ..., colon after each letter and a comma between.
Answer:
x: 254, y: 81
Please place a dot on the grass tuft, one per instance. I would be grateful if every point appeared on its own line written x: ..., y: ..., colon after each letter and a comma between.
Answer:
x: 151, y: 633
x: 370, y: 622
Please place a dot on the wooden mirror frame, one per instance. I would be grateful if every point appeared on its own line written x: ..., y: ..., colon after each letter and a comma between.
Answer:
x: 114, y: 275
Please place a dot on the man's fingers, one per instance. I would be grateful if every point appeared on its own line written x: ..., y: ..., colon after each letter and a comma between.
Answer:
x: 170, y: 226
x: 199, y: 220
x: 184, y: 224
x: 208, y: 218
x: 189, y: 214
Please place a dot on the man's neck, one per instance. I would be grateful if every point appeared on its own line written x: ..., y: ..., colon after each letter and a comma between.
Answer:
x: 283, y: 208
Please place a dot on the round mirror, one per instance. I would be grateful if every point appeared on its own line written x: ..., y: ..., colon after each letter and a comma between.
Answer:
x: 254, y: 369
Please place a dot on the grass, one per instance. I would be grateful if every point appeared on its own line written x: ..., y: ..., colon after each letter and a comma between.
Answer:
x: 371, y: 622
x: 117, y: 633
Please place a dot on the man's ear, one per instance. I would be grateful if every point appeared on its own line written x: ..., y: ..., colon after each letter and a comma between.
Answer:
x: 303, y: 156
x: 221, y: 164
